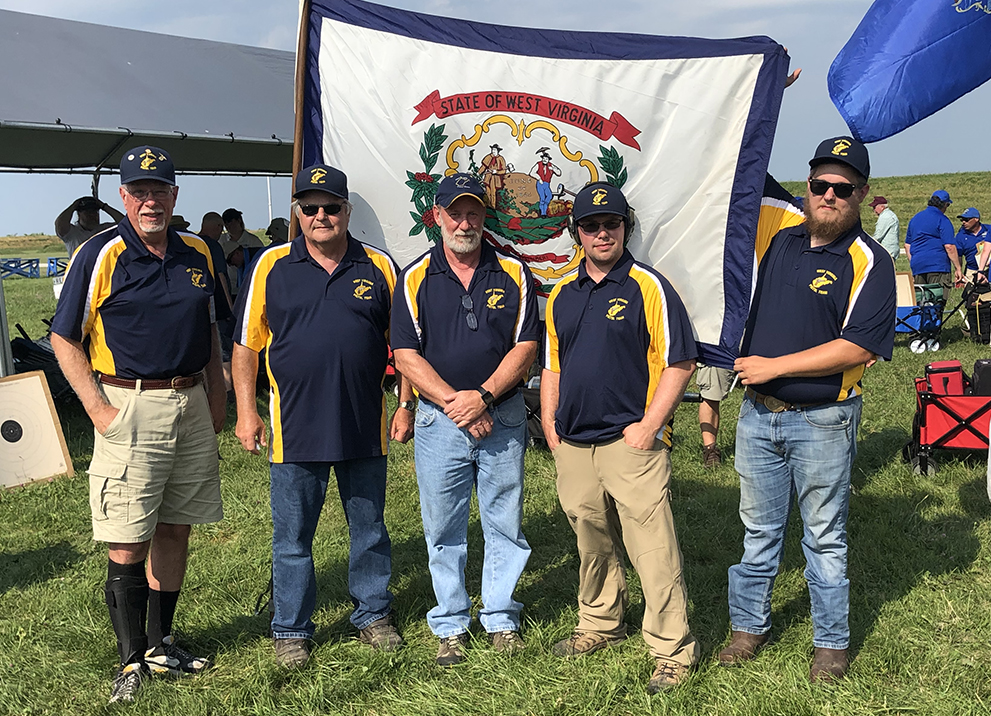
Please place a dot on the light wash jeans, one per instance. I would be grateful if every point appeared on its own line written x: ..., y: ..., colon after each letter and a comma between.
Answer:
x: 807, y: 453
x: 448, y: 462
x: 298, y: 491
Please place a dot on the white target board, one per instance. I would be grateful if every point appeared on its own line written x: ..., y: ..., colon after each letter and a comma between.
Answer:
x: 32, y: 446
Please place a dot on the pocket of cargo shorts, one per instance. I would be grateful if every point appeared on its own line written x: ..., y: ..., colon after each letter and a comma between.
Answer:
x: 108, y: 490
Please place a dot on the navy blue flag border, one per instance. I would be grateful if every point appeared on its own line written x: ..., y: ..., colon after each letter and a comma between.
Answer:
x: 755, y: 150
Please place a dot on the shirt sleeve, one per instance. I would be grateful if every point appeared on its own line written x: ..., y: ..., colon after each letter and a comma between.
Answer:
x: 223, y: 308
x: 251, y: 327
x: 677, y: 327
x: 552, y: 358
x: 74, y: 303
x: 946, y: 231
x: 404, y: 329
x: 529, y: 329
x: 870, y: 319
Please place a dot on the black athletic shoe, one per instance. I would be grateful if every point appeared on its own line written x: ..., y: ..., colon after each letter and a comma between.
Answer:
x: 171, y: 659
x: 130, y: 678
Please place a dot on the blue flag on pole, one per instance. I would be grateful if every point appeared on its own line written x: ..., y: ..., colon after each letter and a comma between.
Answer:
x: 907, y: 60
x: 398, y: 100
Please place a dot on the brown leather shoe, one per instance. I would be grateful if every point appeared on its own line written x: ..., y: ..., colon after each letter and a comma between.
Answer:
x: 742, y: 647
x: 585, y: 642
x: 381, y: 635
x: 828, y: 665
x: 667, y: 675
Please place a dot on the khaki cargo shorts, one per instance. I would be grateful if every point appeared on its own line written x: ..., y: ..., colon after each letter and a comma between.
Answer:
x: 157, y: 462
x: 714, y: 383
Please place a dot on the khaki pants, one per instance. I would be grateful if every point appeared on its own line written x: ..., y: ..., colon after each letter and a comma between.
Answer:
x: 614, y: 494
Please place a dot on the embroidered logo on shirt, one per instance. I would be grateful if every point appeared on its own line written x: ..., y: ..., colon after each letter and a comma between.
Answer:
x: 494, y: 298
x: 615, y: 310
x: 362, y: 287
x: 821, y: 283
x: 196, y: 276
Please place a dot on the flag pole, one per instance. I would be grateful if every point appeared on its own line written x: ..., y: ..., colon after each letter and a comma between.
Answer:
x: 302, y: 48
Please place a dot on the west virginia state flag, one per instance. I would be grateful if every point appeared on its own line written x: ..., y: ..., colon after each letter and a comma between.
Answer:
x: 398, y: 99
x: 908, y: 59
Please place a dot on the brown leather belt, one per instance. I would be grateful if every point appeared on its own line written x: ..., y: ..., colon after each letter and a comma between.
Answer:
x: 177, y: 383
x: 774, y: 404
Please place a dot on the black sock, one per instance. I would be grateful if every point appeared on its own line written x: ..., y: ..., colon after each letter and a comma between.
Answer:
x: 161, y: 610
x: 126, y: 593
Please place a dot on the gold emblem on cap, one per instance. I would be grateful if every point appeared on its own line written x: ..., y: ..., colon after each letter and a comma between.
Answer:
x: 148, y: 160
x: 599, y: 197
x: 317, y: 175
x: 840, y: 147
x: 461, y: 182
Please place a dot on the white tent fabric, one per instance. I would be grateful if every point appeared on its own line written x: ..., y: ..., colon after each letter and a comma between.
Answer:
x: 76, y: 95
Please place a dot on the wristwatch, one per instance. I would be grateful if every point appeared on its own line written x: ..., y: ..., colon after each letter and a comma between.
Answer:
x: 487, y: 397
x: 409, y: 405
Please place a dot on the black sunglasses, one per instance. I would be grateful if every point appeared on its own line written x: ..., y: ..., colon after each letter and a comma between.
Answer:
x: 843, y: 190
x: 470, y: 317
x: 592, y: 227
x: 314, y: 209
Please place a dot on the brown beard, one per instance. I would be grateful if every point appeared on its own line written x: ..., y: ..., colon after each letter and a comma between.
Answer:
x: 829, y: 230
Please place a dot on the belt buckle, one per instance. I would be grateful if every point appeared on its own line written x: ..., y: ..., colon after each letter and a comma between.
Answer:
x: 774, y: 404
x: 172, y: 383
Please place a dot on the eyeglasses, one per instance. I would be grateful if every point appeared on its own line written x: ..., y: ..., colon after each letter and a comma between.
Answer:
x: 314, y: 209
x: 592, y: 227
x: 470, y: 317
x: 146, y: 194
x: 843, y: 190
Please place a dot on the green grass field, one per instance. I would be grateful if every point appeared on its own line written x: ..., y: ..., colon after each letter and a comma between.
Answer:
x: 920, y: 567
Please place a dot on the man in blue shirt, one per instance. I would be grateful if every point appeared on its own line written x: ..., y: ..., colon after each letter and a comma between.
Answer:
x: 823, y: 308
x: 464, y: 332
x: 930, y: 244
x: 320, y: 307
x: 618, y: 356
x: 970, y: 240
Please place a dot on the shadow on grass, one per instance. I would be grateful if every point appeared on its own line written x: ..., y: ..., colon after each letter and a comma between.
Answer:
x: 22, y: 569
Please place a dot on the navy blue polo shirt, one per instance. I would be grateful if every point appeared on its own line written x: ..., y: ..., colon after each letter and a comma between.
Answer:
x: 969, y: 245
x: 430, y: 314
x: 326, y: 337
x: 809, y: 296
x: 928, y: 232
x: 610, y: 342
x: 139, y: 316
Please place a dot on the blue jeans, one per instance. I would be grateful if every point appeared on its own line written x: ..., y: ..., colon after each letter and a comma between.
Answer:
x: 807, y: 453
x: 448, y: 462
x: 298, y: 491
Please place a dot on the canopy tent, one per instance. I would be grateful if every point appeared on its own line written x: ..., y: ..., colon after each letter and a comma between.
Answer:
x: 82, y: 94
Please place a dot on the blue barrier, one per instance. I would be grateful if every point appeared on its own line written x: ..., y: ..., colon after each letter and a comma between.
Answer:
x: 28, y: 268
x: 57, y: 265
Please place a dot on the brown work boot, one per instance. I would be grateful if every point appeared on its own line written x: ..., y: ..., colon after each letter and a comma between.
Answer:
x: 381, y: 635
x: 452, y: 649
x: 292, y: 653
x: 711, y: 457
x: 667, y: 675
x: 828, y: 665
x: 742, y: 647
x: 507, y: 642
x: 585, y: 642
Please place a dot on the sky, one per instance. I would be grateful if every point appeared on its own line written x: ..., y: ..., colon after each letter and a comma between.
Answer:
x: 812, y: 30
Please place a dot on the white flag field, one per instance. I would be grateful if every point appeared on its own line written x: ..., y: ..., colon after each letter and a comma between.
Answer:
x: 398, y: 100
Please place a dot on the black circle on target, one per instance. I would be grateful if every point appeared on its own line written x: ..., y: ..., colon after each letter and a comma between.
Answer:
x: 11, y: 431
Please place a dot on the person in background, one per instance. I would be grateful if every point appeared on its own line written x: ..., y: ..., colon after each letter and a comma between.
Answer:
x: 234, y: 223
x: 886, y: 229
x: 971, y: 240
x: 87, y: 208
x: 931, y: 246
x: 277, y: 231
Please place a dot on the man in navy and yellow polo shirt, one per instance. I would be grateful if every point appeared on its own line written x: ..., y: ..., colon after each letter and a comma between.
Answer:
x: 135, y: 335
x: 619, y: 354
x: 464, y: 332
x: 823, y: 308
x: 931, y: 246
x: 320, y: 307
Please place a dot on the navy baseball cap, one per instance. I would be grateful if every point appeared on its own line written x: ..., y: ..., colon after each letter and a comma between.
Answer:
x: 970, y: 213
x: 322, y: 177
x: 843, y: 150
x: 943, y: 196
x: 147, y: 162
x: 231, y: 214
x: 88, y: 203
x: 599, y: 198
x: 456, y: 186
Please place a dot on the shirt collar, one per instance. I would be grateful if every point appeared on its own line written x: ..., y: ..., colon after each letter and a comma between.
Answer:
x: 617, y: 274
x: 299, y: 252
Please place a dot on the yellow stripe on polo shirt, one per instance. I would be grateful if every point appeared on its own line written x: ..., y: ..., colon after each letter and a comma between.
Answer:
x: 255, y: 332
x: 656, y: 314
x: 100, y: 356
x: 774, y: 216
x: 195, y: 242
x: 415, y: 276
x: 514, y: 267
x: 384, y: 264
x: 275, y: 415
x: 863, y: 263
x: 552, y: 357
